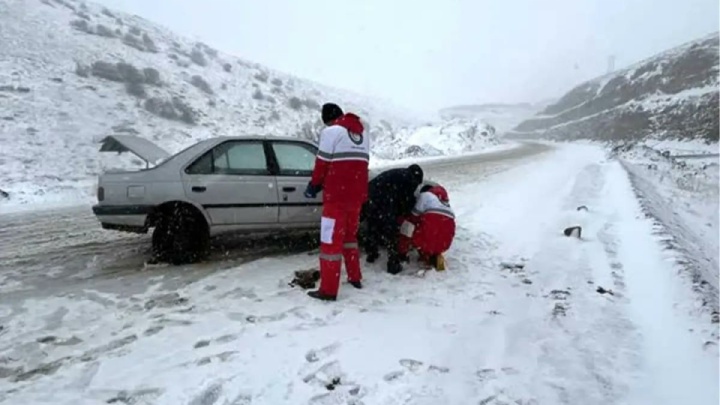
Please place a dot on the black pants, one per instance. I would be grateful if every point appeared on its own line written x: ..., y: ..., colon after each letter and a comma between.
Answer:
x: 382, y: 231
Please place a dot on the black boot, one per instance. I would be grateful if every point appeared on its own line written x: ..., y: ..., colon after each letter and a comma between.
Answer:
x: 317, y: 295
x: 356, y: 284
x: 394, y: 266
x: 372, y: 256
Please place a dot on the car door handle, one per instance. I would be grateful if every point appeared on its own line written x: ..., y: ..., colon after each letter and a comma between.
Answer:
x: 199, y: 189
x: 289, y: 189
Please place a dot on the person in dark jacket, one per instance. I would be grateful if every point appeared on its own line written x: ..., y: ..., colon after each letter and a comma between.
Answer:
x: 391, y: 195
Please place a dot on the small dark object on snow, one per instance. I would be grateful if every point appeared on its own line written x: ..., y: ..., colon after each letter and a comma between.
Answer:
x: 604, y: 291
x: 335, y: 382
x: 47, y: 339
x: 582, y: 208
x: 306, y: 279
x: 527, y: 281
x: 512, y: 266
x: 715, y: 318
x: 4, y: 194
x: 573, y: 231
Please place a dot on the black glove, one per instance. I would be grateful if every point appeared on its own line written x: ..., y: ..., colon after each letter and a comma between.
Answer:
x: 312, y: 191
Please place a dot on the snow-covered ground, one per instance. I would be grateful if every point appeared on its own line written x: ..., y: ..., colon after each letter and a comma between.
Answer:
x: 678, y: 184
x: 516, y: 319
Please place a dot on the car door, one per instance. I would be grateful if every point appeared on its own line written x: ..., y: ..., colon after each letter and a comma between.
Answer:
x: 232, y: 181
x: 294, y: 165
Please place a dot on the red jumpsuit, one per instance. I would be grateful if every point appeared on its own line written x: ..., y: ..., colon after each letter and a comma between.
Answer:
x: 434, y: 223
x: 341, y: 168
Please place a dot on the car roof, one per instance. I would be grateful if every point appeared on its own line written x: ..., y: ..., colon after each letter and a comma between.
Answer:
x: 262, y: 137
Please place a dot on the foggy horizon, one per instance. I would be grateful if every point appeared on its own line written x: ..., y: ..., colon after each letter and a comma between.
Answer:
x: 437, y: 56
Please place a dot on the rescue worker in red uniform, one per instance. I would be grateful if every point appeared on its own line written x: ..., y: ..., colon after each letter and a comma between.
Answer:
x: 341, y: 173
x: 430, y: 228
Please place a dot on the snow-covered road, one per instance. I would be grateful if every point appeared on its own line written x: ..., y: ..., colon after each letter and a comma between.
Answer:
x: 516, y: 319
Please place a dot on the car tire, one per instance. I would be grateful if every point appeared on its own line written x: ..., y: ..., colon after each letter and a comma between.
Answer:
x: 181, y: 237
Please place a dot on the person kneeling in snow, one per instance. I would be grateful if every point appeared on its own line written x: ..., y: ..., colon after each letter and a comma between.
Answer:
x: 430, y: 229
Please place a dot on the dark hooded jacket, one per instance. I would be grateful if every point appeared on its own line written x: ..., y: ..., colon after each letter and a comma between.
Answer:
x: 391, y: 194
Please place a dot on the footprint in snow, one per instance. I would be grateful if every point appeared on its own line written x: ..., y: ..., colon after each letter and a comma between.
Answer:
x: 249, y: 318
x: 317, y: 354
x: 221, y: 357
x: 349, y: 397
x: 411, y: 365
x: 336, y: 386
x: 209, y: 396
x: 147, y: 395
x: 414, y: 367
x: 489, y: 374
x: 559, y: 294
x: 153, y: 330
x: 226, y: 339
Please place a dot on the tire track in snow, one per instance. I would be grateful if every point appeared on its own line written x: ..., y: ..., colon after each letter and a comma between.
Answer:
x: 700, y: 265
x: 675, y: 366
x: 587, y: 352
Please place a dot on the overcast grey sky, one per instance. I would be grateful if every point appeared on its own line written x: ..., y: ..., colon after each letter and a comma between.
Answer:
x: 436, y: 53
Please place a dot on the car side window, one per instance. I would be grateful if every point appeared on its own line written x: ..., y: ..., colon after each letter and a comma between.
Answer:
x: 294, y: 159
x: 232, y: 158
x: 203, y: 165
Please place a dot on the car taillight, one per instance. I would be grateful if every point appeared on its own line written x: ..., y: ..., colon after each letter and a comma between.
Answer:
x: 100, y: 193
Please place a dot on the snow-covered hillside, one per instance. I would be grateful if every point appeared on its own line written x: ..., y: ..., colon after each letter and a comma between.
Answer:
x: 502, y: 117
x: 73, y: 72
x: 673, y: 95
x: 447, y: 138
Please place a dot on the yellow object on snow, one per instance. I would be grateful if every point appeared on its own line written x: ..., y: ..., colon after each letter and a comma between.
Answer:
x: 440, y: 263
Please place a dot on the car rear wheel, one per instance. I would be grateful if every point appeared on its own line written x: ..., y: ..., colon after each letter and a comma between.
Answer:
x: 181, y: 236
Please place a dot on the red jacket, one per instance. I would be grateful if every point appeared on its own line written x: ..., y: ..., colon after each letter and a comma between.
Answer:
x: 434, y: 220
x: 341, y: 165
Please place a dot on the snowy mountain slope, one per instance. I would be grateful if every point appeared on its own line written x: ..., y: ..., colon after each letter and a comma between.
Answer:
x: 502, y: 117
x: 446, y: 138
x: 673, y: 95
x: 72, y: 72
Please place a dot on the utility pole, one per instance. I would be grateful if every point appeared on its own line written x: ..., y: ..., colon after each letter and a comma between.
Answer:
x: 611, y: 64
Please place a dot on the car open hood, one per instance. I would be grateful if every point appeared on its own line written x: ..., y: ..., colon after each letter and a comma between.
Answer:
x: 144, y: 149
